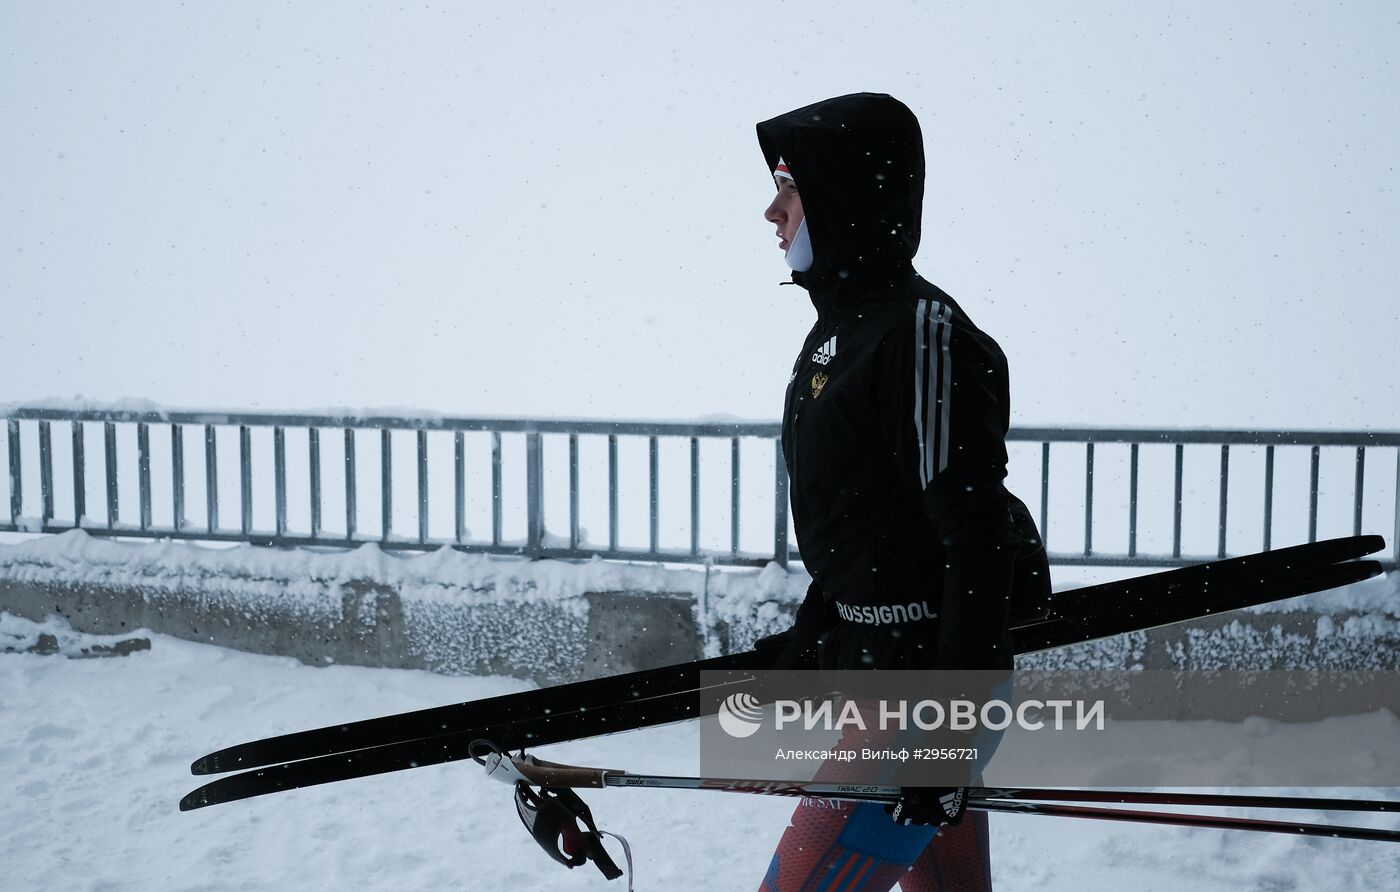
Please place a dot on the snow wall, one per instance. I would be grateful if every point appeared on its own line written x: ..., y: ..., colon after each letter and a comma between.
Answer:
x: 554, y: 621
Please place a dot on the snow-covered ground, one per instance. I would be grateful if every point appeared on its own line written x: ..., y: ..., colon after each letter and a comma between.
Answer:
x: 94, y: 756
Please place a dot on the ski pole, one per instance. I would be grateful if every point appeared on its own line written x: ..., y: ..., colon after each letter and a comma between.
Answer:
x: 1011, y: 801
x: 1177, y: 819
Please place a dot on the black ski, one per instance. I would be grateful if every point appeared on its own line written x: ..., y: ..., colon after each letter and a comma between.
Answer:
x: 1196, y: 589
x: 660, y: 696
x: 543, y: 705
x: 1105, y: 615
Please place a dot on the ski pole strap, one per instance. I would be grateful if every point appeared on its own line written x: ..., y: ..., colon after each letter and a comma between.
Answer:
x: 552, y: 815
x: 626, y: 854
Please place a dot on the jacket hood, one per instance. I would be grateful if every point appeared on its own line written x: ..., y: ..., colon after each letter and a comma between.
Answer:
x: 858, y: 162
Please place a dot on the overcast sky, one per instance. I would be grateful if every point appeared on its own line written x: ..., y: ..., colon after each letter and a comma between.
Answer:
x: 1174, y: 213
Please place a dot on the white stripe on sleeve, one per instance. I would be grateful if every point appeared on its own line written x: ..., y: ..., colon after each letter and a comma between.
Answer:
x: 945, y: 377
x: 933, y: 386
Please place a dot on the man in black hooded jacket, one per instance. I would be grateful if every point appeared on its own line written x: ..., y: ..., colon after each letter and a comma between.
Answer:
x: 894, y: 439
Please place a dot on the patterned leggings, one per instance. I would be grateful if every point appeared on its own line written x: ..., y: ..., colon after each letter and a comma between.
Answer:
x: 837, y: 846
x: 855, y: 847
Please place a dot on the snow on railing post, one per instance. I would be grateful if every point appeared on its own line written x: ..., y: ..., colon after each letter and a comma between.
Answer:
x: 422, y: 487
x: 45, y: 475
x: 245, y: 478
x: 612, y: 492
x: 211, y: 477
x: 654, y: 494
x: 573, y: 493
x: 351, y: 512
x: 177, y: 476
x: 496, y: 488
x: 459, y: 486
x: 1312, y: 493
x: 1224, y: 495
x: 1395, y: 535
x: 1176, y: 502
x: 1133, y: 500
x: 1045, y: 495
x: 1088, y: 499
x: 695, y: 495
x: 16, y: 493
x: 79, y: 476
x: 1359, y: 489
x: 279, y: 480
x: 734, y: 497
x: 313, y: 462
x: 534, y: 494
x: 386, y: 484
x: 109, y: 446
x: 143, y: 475
x: 1268, y: 497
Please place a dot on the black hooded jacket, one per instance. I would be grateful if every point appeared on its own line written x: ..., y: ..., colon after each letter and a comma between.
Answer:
x: 895, y: 418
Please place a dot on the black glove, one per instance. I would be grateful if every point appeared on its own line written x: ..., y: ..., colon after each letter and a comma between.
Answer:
x: 796, y: 648
x: 775, y: 641
x: 930, y: 806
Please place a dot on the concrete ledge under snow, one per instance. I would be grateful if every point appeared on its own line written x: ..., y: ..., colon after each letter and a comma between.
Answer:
x: 555, y: 621
x: 445, y: 611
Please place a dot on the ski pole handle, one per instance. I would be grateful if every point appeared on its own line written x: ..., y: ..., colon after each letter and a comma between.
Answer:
x: 499, y: 767
x: 540, y: 773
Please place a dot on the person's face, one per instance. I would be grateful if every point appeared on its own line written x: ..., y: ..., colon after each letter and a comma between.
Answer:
x: 785, y: 212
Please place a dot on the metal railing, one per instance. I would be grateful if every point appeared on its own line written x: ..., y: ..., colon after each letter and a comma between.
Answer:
x: 1267, y: 444
x: 30, y: 435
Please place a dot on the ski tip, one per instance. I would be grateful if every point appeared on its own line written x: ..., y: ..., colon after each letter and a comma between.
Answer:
x: 210, y: 764
x: 217, y: 763
x: 1373, y: 543
x: 193, y: 800
x: 1354, y: 546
